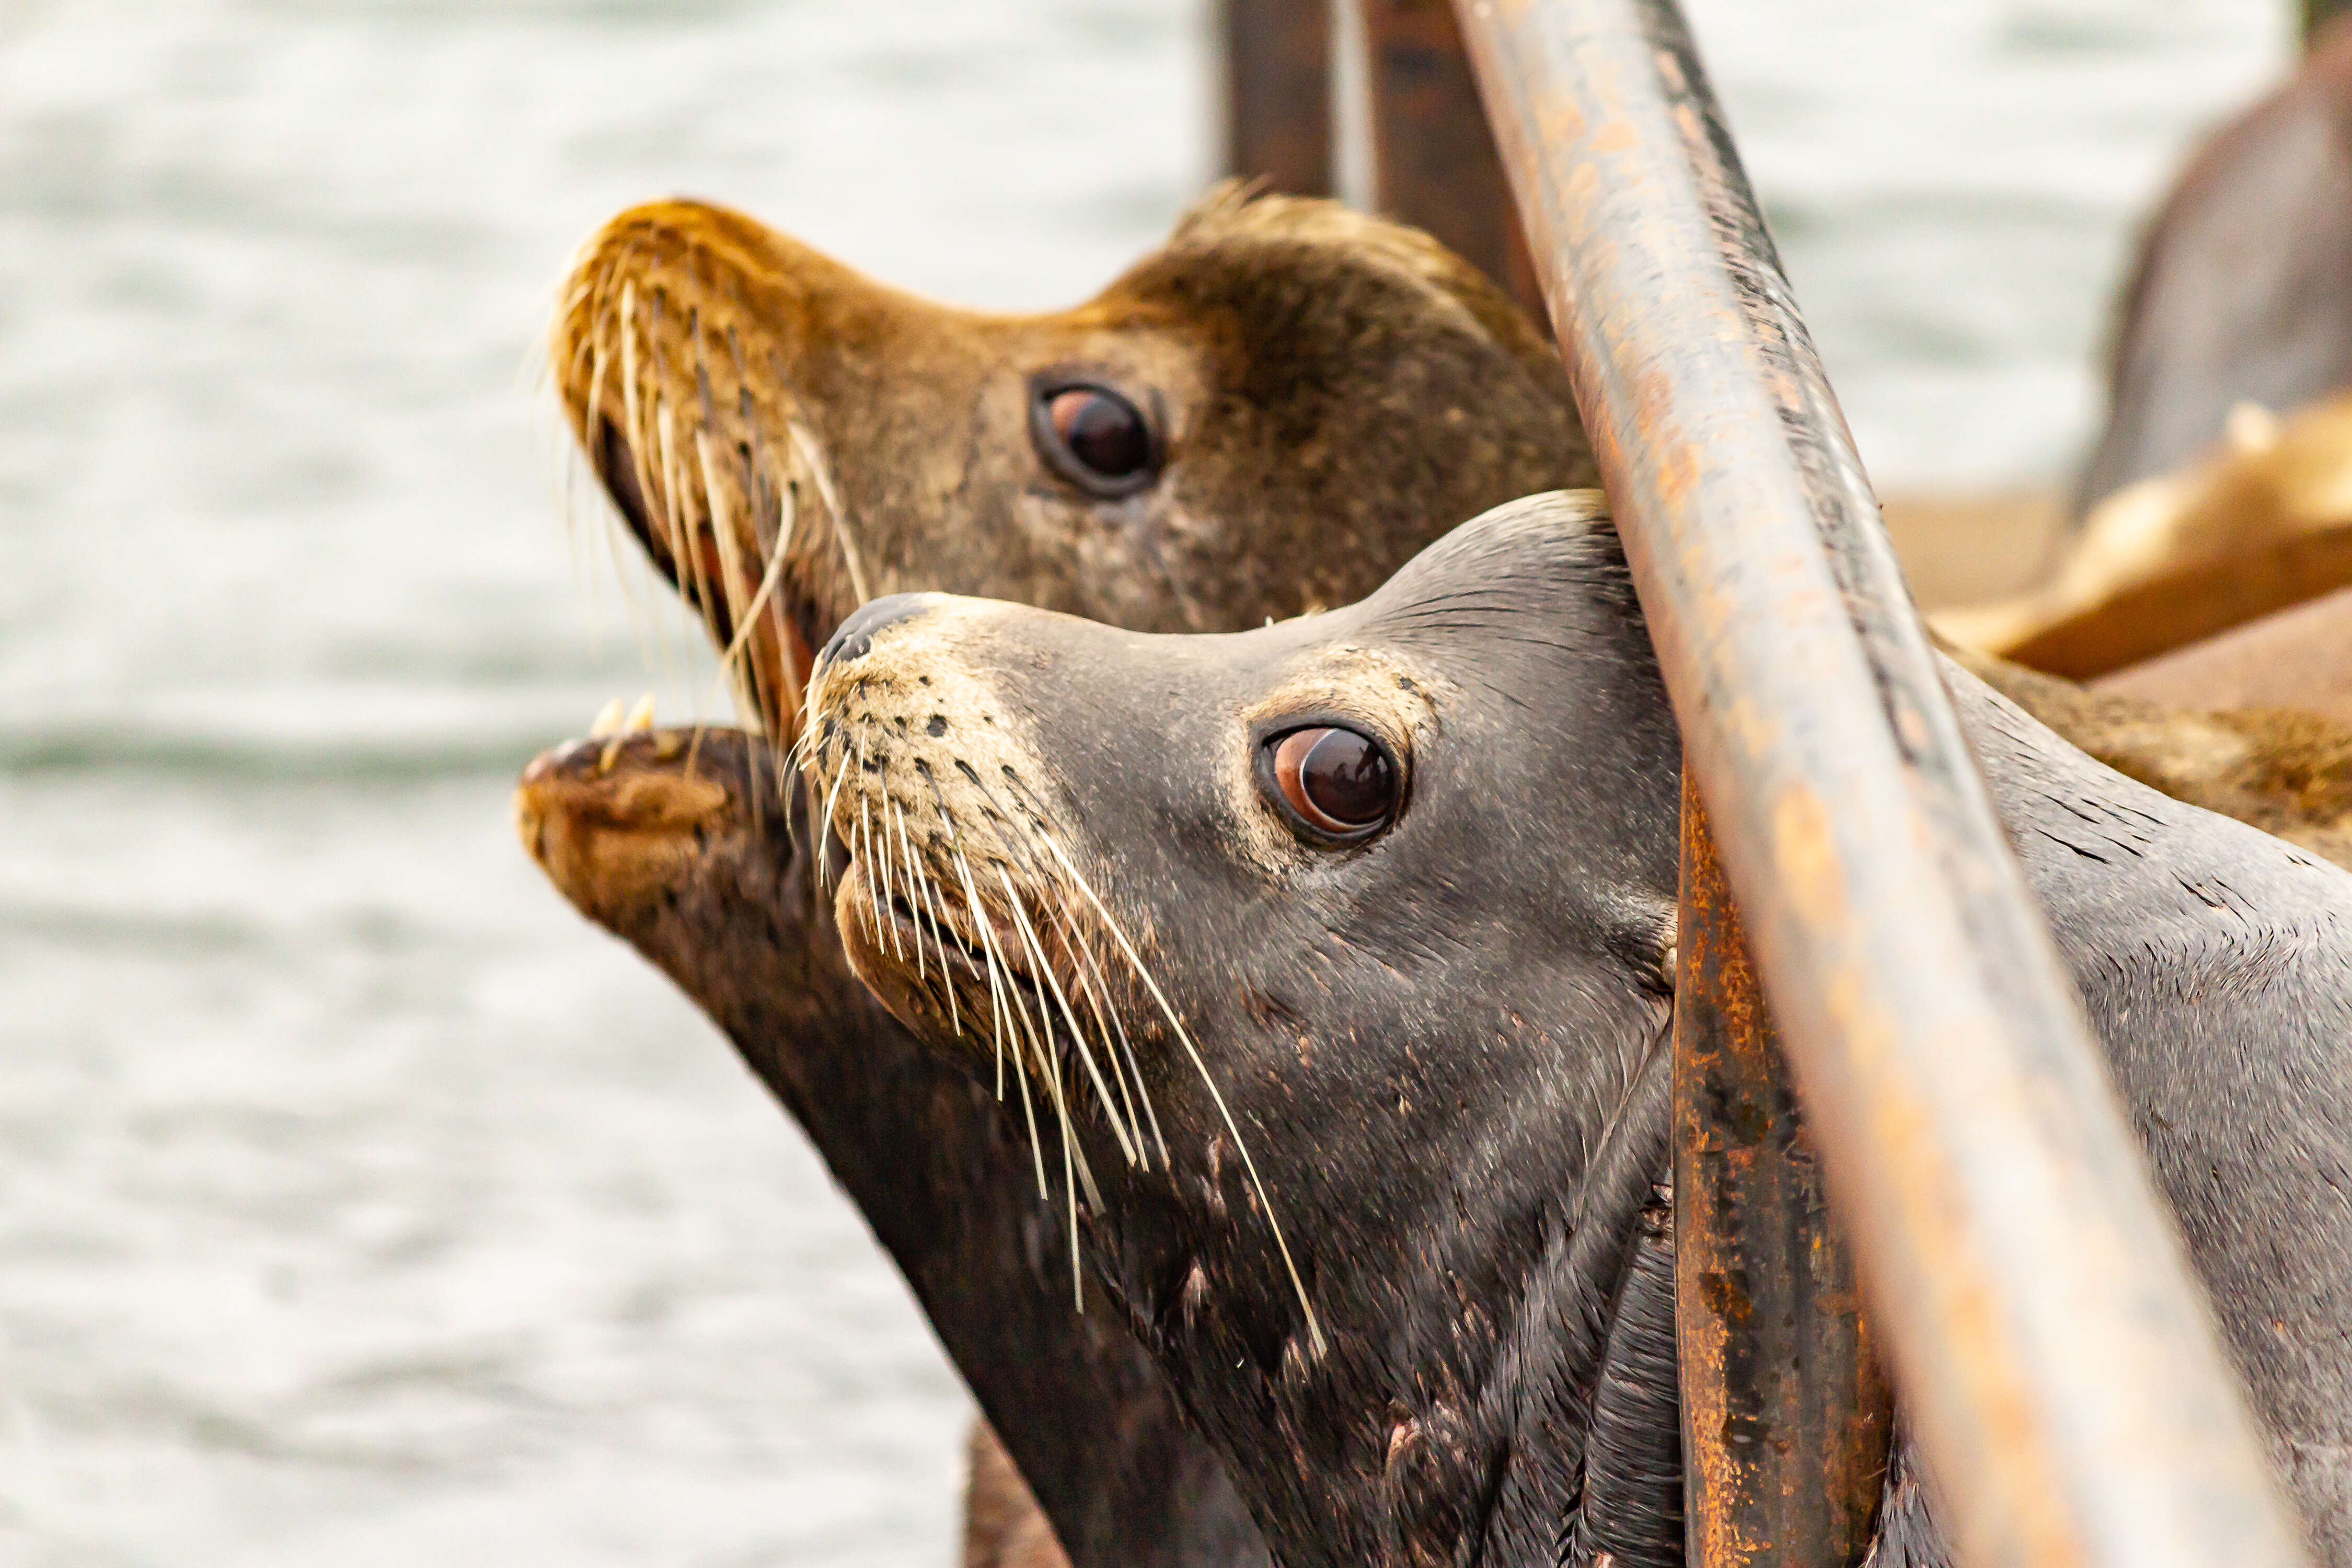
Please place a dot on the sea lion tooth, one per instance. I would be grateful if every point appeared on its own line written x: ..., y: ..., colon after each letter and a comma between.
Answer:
x: 607, y: 720
x: 641, y: 717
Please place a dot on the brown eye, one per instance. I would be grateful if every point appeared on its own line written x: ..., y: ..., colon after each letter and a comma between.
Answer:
x: 1094, y: 439
x: 1339, y: 783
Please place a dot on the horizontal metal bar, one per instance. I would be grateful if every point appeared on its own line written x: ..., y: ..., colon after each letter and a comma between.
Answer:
x: 2056, y: 1362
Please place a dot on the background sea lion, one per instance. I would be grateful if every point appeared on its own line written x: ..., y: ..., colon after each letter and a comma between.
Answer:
x: 2242, y: 288
x: 1336, y: 955
x: 1270, y: 412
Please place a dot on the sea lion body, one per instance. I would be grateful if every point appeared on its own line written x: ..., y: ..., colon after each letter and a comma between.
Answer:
x: 1401, y: 1259
x: 678, y: 842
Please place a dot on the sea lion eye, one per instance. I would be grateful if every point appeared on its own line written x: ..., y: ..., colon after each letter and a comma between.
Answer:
x: 1338, y: 785
x: 1094, y: 438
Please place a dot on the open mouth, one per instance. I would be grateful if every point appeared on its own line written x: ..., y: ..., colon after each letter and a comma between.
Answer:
x: 710, y: 552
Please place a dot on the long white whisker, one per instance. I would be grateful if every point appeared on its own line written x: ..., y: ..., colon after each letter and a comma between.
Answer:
x: 938, y: 940
x: 809, y: 455
x: 1078, y: 1038
x: 1110, y: 923
x: 996, y: 993
x: 1108, y: 1004
x: 914, y: 895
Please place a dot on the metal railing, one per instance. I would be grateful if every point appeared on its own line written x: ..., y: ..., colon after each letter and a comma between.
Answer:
x: 2057, y: 1367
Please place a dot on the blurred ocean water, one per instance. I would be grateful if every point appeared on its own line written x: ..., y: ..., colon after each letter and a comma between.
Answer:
x: 358, y: 1203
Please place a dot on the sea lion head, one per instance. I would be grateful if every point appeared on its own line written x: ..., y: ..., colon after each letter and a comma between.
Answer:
x: 1327, y: 1034
x: 1269, y: 412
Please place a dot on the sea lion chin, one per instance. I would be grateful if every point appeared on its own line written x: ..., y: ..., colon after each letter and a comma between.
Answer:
x: 1325, y: 967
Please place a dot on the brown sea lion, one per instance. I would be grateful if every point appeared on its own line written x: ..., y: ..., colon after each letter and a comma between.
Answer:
x: 2263, y: 523
x: 1267, y: 413
x: 1331, y: 962
x: 674, y: 840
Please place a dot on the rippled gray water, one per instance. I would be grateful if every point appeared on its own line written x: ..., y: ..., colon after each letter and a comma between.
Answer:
x: 358, y: 1203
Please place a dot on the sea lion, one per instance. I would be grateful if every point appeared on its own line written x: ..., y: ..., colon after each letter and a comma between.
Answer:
x: 754, y: 370
x: 1273, y: 411
x: 2263, y: 523
x: 2241, y: 291
x: 1330, y: 964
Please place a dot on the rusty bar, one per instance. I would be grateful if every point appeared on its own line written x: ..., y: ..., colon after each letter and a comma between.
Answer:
x: 1786, y: 1416
x: 1433, y: 159
x: 2066, y: 1388
x: 1278, y: 79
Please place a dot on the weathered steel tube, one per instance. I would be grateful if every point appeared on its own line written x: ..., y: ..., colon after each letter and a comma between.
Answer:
x: 1433, y: 159
x: 1277, y: 92
x: 1786, y: 1416
x: 2069, y: 1394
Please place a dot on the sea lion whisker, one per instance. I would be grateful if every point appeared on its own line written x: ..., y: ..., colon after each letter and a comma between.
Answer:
x: 914, y: 894
x: 938, y: 940
x: 737, y: 656
x: 995, y: 1000
x: 840, y: 777
x: 671, y: 500
x: 806, y: 447
x: 1077, y: 1036
x: 1110, y: 1004
x: 1110, y: 921
x: 1013, y: 998
x: 865, y: 852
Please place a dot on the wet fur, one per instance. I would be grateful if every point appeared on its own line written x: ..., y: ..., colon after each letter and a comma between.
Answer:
x: 1444, y: 1050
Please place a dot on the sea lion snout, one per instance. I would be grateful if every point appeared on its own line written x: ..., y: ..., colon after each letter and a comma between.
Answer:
x: 855, y: 636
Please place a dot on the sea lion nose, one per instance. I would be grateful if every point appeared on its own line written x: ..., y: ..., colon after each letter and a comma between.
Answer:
x: 854, y: 635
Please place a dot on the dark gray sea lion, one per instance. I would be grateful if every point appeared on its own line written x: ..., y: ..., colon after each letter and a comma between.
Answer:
x: 1329, y: 962
x: 1273, y: 411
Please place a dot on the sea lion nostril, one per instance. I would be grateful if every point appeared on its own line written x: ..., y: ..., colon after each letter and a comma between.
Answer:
x: 853, y: 639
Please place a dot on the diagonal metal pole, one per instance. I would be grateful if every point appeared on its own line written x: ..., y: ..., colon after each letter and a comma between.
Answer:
x: 2065, y: 1382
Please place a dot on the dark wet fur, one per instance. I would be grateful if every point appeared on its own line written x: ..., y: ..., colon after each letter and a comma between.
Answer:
x: 1445, y: 1049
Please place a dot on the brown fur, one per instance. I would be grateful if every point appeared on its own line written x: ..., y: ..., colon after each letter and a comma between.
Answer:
x: 2287, y: 772
x: 1333, y: 391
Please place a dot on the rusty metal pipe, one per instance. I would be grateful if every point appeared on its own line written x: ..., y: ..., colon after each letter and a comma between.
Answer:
x: 1433, y: 159
x: 1277, y: 92
x: 1786, y: 1415
x: 2066, y: 1386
